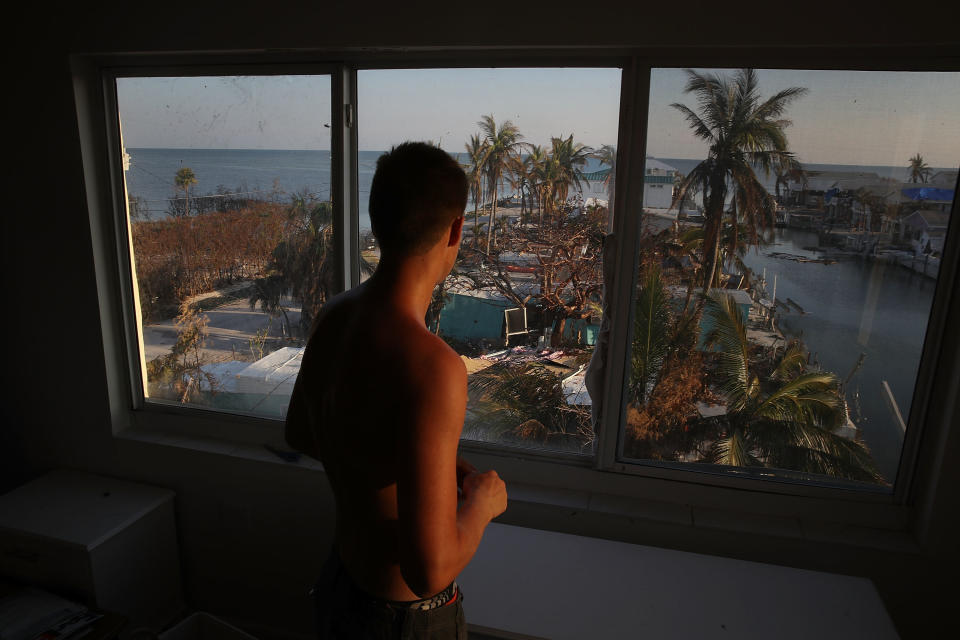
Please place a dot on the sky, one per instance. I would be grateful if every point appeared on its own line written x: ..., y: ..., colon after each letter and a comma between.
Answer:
x: 846, y: 117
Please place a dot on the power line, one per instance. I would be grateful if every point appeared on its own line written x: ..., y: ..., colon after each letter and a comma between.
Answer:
x: 151, y: 174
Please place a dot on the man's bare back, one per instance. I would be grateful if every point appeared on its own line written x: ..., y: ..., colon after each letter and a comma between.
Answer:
x: 357, y: 376
x: 380, y: 401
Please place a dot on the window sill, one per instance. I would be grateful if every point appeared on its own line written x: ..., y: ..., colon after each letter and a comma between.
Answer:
x: 624, y: 586
x: 649, y: 516
x: 593, y: 512
x: 217, y: 446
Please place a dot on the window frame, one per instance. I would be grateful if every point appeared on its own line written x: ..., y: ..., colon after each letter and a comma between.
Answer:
x: 343, y: 177
x: 945, y: 295
x: 603, y: 475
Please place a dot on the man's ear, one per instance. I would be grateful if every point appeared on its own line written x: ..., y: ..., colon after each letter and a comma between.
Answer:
x: 456, y: 230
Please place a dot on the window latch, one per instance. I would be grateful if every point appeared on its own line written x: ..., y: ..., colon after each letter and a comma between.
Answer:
x: 348, y: 115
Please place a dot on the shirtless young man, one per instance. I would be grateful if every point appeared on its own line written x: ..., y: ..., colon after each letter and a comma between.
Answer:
x: 380, y: 401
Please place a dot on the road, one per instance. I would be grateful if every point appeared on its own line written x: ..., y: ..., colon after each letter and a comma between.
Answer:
x: 229, y: 331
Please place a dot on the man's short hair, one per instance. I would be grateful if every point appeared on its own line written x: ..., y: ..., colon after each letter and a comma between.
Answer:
x: 417, y: 191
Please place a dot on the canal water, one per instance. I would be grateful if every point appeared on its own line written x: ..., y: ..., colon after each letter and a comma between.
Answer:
x: 855, y: 307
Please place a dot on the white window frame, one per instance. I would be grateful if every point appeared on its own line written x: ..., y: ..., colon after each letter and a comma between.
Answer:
x: 603, y: 476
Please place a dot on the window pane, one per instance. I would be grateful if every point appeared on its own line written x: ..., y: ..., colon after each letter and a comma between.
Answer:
x: 228, y: 191
x: 523, y: 303
x: 813, y: 206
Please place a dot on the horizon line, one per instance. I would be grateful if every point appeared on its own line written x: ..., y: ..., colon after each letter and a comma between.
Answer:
x: 841, y: 164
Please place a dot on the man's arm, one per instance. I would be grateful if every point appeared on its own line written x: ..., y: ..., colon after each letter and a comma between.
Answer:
x: 436, y: 539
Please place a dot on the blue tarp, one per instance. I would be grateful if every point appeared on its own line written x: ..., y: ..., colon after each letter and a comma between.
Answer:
x: 929, y: 193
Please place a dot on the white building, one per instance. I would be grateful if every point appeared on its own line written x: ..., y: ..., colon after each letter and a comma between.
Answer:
x: 658, y: 182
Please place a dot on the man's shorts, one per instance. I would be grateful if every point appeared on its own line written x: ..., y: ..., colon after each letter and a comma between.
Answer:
x: 346, y: 611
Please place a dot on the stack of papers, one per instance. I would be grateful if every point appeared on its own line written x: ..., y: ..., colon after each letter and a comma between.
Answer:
x: 32, y: 614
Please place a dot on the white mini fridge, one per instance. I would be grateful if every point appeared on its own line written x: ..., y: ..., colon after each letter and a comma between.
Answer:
x: 111, y: 544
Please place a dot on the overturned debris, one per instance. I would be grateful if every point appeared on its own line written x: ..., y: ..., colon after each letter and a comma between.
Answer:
x: 798, y: 258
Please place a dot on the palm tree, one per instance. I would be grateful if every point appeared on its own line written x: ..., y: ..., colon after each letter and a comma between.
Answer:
x: 790, y: 421
x: 690, y: 243
x: 538, y: 160
x: 569, y: 158
x: 919, y: 171
x: 680, y: 200
x: 476, y: 153
x: 300, y: 263
x: 503, y: 144
x: 268, y: 292
x: 743, y: 132
x: 184, y: 180
x: 666, y: 373
x: 554, y: 171
x: 519, y: 178
x: 607, y: 155
x: 793, y: 171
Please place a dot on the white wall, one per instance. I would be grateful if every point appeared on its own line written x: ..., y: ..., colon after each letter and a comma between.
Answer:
x: 253, y: 533
x: 657, y: 196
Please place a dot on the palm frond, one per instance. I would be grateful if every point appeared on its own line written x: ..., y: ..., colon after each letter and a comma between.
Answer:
x: 792, y: 363
x: 700, y: 128
x: 650, y: 334
x: 733, y: 450
x: 775, y: 105
x: 809, y: 397
x: 525, y: 392
x: 812, y: 449
x: 728, y: 336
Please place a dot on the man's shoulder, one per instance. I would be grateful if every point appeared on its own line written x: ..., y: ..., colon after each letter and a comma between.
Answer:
x: 337, y: 309
x: 429, y: 356
x: 434, y: 383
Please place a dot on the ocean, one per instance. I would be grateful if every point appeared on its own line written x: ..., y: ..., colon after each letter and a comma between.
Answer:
x: 265, y: 173
x: 685, y: 166
x: 855, y: 307
x: 279, y: 174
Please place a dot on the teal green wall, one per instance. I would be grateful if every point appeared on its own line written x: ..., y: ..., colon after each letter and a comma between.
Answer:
x: 469, y: 318
x: 588, y: 331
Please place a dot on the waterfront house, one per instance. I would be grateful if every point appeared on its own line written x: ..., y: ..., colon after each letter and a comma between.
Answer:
x: 925, y: 230
x: 945, y: 179
x: 834, y: 191
x: 658, y: 181
x: 929, y: 197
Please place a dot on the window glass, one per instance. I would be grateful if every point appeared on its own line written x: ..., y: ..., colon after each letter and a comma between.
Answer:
x: 228, y: 192
x: 524, y: 301
x: 812, y: 206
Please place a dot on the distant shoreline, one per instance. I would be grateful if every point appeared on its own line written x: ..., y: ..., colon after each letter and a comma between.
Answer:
x: 658, y: 157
